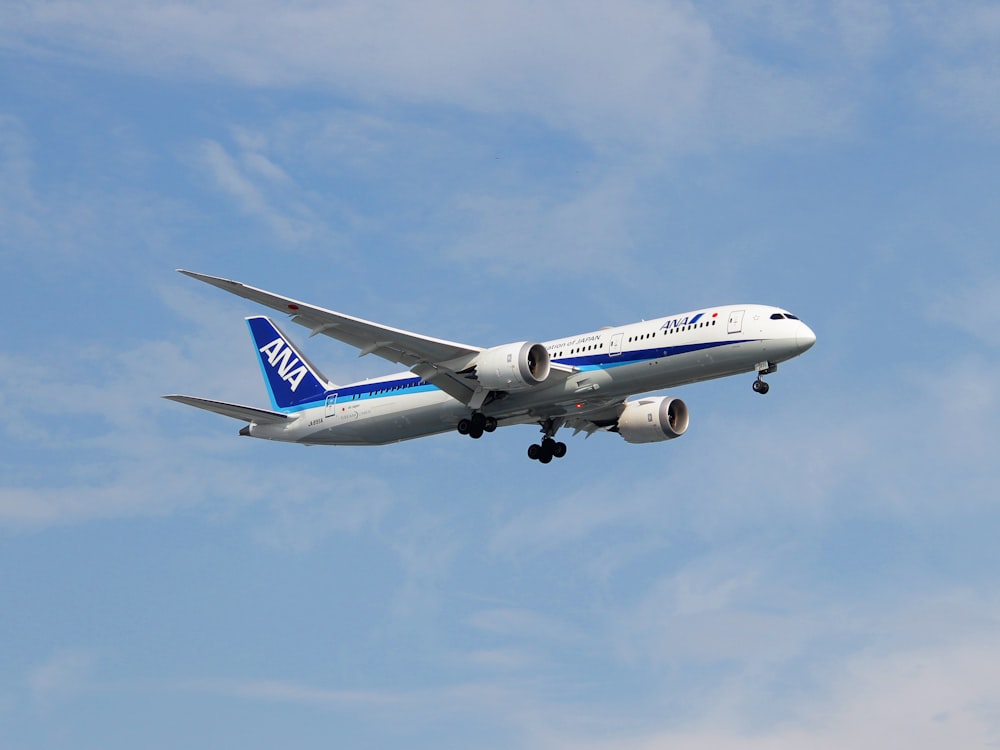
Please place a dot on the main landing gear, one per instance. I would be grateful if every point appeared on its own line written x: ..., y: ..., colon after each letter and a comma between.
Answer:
x: 476, y: 425
x: 549, y: 448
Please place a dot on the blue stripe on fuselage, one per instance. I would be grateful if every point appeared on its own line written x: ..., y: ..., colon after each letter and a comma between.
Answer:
x: 366, y: 391
x: 605, y: 360
x: 602, y: 361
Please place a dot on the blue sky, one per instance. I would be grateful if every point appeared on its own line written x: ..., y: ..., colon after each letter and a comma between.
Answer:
x: 817, y: 568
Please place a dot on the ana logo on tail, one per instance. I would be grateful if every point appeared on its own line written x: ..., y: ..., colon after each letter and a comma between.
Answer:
x: 281, y: 357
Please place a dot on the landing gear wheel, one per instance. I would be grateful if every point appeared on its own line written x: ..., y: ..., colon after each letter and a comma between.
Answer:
x: 761, y: 386
x: 549, y: 448
x: 542, y: 453
x: 476, y: 424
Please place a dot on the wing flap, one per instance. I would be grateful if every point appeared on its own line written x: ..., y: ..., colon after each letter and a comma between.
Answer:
x: 236, y: 411
x: 448, y: 381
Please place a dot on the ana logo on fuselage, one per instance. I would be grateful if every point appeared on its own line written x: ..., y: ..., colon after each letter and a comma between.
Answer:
x: 685, y: 321
x: 281, y: 357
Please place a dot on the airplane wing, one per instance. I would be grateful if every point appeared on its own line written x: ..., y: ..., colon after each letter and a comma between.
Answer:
x: 246, y: 413
x: 392, y: 344
x: 437, y: 361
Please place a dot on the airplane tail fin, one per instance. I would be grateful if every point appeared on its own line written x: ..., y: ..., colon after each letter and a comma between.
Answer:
x: 292, y: 380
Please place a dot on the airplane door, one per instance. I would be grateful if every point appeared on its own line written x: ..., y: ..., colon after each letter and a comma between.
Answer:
x: 736, y: 321
x: 331, y: 406
x: 616, y: 344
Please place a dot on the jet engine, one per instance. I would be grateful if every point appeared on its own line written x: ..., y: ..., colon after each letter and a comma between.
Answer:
x: 512, y: 367
x: 650, y: 420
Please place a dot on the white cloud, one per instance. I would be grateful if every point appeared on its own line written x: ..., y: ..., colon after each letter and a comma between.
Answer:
x: 864, y: 27
x: 573, y: 518
x: 56, y: 225
x: 944, y: 696
x: 426, y: 546
x: 95, y: 411
x: 968, y: 307
x: 64, y: 675
x: 524, y: 624
x: 402, y: 708
x: 929, y: 688
x: 719, y: 609
x: 315, y: 510
x: 19, y: 208
x: 628, y: 74
x: 257, y: 184
x: 959, y: 76
x: 573, y: 235
x: 283, y: 691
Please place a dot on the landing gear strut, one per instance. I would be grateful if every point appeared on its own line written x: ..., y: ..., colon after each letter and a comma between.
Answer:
x: 476, y: 425
x: 549, y: 448
x: 764, y: 368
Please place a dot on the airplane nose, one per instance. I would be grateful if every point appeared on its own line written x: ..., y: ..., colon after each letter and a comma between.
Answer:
x: 804, y: 338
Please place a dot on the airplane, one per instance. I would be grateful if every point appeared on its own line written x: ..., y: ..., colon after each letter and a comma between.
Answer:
x: 582, y: 382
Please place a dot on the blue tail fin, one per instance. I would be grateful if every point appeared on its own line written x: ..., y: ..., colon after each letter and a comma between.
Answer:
x: 292, y: 380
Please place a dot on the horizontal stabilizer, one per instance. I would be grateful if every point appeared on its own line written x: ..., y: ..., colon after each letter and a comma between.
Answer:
x: 246, y: 413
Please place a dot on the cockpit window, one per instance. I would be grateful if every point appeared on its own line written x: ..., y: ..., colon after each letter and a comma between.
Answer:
x: 790, y: 316
x: 776, y: 316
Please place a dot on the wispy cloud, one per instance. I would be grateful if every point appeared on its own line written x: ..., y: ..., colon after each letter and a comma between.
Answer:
x: 304, y: 517
x: 19, y: 207
x: 43, y: 216
x: 960, y: 78
x: 257, y: 184
x: 282, y: 691
x: 925, y: 699
x: 524, y: 624
x: 574, y: 236
x: 572, y: 519
x: 638, y: 73
x: 64, y: 675
x: 940, y: 692
x: 123, y: 452
x: 967, y: 306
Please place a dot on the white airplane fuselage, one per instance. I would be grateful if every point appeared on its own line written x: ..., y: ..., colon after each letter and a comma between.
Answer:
x: 610, y: 364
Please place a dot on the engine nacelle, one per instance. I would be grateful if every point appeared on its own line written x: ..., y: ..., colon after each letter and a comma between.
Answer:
x: 513, y: 367
x: 650, y: 420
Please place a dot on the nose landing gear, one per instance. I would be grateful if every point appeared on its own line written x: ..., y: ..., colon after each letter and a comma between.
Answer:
x: 763, y: 368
